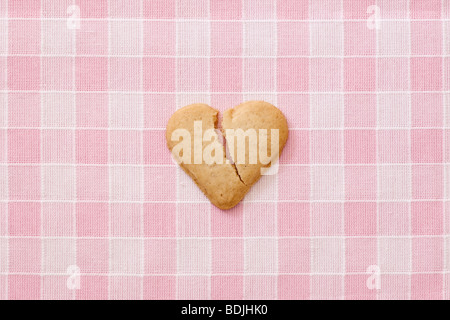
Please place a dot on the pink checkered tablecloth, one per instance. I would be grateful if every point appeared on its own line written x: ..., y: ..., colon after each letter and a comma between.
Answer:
x: 92, y: 206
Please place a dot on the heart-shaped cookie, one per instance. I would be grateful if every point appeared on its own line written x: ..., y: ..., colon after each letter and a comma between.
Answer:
x: 255, y: 134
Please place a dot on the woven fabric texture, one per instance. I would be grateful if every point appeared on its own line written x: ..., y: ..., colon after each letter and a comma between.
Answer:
x: 93, y: 207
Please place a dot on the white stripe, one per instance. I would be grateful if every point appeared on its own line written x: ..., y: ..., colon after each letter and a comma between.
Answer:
x: 74, y: 153
x: 227, y: 274
x: 109, y: 159
x: 444, y: 114
x: 163, y: 129
x: 343, y: 153
x: 177, y: 28
x: 290, y: 129
x: 6, y: 117
x: 142, y: 231
x: 311, y: 260
x: 410, y: 159
x: 41, y: 226
x: 118, y: 165
x: 219, y: 57
x: 209, y: 258
x: 231, y: 237
x: 206, y: 201
x: 225, y: 92
x: 277, y: 251
x: 216, y: 20
x: 377, y: 39
x: 244, y: 241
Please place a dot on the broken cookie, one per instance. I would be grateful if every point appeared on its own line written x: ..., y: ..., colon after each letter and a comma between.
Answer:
x: 255, y: 133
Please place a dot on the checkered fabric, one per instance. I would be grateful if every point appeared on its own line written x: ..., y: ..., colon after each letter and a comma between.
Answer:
x: 93, y: 207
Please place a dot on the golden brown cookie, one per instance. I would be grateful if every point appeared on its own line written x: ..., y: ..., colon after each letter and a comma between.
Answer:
x: 194, y: 142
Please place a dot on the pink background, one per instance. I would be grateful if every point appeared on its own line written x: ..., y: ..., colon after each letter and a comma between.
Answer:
x: 86, y: 180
